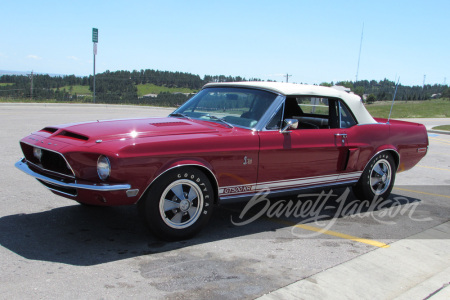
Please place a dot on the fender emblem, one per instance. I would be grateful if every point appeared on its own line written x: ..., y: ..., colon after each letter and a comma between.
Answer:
x: 247, y: 161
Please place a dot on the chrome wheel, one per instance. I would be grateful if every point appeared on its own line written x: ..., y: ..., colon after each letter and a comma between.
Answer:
x: 181, y: 204
x: 380, y: 177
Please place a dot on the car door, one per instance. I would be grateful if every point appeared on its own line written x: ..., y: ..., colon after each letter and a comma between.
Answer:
x: 315, y: 154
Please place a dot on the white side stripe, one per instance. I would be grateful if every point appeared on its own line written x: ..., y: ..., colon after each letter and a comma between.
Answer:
x: 289, y: 183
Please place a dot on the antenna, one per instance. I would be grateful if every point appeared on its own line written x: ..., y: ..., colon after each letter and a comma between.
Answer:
x: 393, y: 99
x: 359, y: 56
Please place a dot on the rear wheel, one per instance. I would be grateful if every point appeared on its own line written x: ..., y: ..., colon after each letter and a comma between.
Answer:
x: 377, y: 179
x: 179, y: 204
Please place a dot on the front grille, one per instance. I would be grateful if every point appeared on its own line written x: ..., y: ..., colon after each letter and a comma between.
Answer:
x: 50, y: 161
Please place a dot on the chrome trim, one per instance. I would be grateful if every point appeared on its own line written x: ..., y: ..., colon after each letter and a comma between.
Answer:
x: 363, y: 124
x: 289, y: 124
x: 339, y: 113
x: 270, y: 112
x: 22, y: 166
x: 70, y: 167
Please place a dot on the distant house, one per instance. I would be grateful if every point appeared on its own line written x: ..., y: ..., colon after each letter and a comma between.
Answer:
x: 150, y: 96
x: 186, y: 94
x: 436, y: 96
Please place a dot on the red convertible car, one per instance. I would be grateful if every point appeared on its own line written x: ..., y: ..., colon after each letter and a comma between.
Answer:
x: 229, y: 141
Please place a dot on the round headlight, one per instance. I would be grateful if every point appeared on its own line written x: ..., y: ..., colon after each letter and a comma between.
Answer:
x: 103, y: 167
x: 37, y: 152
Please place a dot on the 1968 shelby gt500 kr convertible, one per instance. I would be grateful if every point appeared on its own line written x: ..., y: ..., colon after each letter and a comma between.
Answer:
x: 231, y: 140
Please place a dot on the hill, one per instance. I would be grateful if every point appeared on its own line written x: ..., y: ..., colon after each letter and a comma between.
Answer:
x: 170, y: 88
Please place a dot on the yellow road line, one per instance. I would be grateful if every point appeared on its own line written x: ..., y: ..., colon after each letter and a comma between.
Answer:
x: 433, y: 168
x: 333, y: 233
x: 419, y: 192
x: 321, y: 230
x: 445, y: 142
x: 433, y: 138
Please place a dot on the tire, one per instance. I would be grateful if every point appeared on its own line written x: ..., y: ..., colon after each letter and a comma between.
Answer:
x: 178, y: 205
x: 377, y: 179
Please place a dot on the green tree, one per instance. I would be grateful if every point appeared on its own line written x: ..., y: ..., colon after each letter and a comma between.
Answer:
x: 446, y: 93
x: 359, y: 91
x: 371, y: 99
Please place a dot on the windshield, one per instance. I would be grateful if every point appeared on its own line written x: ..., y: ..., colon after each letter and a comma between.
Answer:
x: 232, y: 106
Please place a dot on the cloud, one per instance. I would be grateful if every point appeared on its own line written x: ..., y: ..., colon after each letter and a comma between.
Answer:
x: 31, y: 56
x: 73, y: 58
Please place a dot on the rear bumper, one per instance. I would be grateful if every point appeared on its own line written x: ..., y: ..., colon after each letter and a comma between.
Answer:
x: 22, y: 166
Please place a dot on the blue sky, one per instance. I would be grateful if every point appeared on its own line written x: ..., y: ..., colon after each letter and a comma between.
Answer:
x: 315, y: 41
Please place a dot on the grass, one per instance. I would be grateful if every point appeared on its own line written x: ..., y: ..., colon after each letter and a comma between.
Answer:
x: 144, y: 89
x: 27, y: 100
x: 442, y: 127
x: 78, y: 89
x: 439, y: 108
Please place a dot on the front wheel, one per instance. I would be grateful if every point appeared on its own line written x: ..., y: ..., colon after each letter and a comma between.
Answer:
x: 378, y: 178
x: 179, y: 204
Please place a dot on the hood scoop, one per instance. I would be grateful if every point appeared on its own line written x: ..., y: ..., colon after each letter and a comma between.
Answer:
x: 73, y: 135
x: 165, y: 124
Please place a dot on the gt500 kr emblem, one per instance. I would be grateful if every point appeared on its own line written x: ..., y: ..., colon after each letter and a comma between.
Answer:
x: 236, y: 189
x: 247, y: 161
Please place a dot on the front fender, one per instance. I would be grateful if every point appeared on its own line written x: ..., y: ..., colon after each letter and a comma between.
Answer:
x: 191, y: 162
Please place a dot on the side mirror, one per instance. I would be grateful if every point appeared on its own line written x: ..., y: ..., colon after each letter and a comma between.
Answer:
x: 289, y: 124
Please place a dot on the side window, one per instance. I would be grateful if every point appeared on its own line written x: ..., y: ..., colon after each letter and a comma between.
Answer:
x: 311, y: 112
x: 346, y: 118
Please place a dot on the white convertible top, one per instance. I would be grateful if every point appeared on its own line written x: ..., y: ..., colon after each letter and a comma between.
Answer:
x: 291, y: 89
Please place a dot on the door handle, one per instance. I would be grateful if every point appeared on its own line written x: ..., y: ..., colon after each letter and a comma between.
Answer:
x: 343, y: 137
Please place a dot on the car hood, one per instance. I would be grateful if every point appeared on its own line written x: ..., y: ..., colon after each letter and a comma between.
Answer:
x: 128, y: 128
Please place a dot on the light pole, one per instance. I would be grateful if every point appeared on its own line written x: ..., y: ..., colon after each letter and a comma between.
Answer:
x: 95, y: 41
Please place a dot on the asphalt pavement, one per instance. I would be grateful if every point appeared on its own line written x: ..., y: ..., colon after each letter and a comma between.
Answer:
x: 53, y: 248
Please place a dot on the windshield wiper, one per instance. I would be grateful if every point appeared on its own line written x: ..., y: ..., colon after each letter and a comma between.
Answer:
x: 180, y: 115
x: 221, y: 120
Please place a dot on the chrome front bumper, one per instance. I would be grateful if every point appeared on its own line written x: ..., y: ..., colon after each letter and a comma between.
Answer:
x: 22, y: 165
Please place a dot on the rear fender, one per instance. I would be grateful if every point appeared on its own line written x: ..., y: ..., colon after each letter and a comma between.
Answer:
x: 387, y: 148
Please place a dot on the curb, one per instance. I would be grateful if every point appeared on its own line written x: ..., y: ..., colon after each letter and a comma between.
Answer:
x: 438, y: 131
x: 417, y: 266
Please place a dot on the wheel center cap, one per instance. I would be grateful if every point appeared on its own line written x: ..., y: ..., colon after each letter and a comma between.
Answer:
x: 384, y: 178
x: 184, y: 205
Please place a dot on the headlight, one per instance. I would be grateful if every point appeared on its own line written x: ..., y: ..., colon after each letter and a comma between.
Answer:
x: 37, y: 152
x: 103, y: 167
